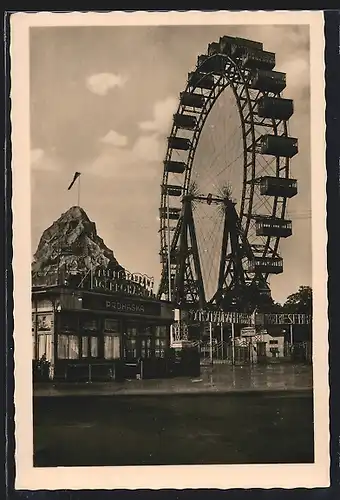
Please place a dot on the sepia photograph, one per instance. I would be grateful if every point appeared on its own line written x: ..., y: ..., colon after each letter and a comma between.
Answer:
x: 169, y: 182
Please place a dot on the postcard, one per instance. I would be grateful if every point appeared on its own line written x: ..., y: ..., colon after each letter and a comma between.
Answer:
x: 169, y: 240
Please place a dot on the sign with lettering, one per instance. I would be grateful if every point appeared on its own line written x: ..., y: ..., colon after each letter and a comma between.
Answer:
x: 100, y: 278
x: 122, y: 281
x: 127, y: 288
x: 283, y: 319
x: 141, y: 279
x: 249, y: 331
x: 122, y: 305
x: 218, y: 317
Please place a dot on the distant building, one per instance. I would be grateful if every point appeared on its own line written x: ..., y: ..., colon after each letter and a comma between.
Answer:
x: 271, y: 345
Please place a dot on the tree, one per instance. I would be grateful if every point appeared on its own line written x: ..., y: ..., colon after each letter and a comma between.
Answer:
x: 300, y: 302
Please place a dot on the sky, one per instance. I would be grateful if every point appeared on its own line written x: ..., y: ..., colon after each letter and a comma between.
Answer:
x: 101, y: 103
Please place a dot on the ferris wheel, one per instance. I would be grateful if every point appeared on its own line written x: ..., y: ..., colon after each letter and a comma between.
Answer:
x: 226, y: 179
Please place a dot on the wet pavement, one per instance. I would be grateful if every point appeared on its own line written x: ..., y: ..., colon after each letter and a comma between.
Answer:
x: 213, y: 379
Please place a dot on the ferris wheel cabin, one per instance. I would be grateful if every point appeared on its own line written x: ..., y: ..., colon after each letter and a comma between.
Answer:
x: 192, y: 100
x: 201, y: 80
x: 272, y: 226
x: 237, y: 47
x: 268, y: 81
x: 176, y: 167
x: 186, y: 122
x: 274, y: 107
x: 266, y: 265
x: 259, y: 60
x: 278, y: 186
x: 172, y: 213
x: 276, y: 145
x: 179, y: 143
x: 213, y: 49
x: 172, y: 190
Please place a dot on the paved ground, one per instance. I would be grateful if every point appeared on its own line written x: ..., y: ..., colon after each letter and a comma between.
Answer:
x: 229, y: 415
x: 216, y: 379
x: 234, y: 428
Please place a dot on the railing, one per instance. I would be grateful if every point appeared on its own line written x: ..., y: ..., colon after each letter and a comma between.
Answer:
x: 244, y: 352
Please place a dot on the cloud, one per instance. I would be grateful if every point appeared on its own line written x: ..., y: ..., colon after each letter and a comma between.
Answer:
x: 41, y: 161
x: 101, y: 83
x: 36, y: 156
x: 162, y: 116
x: 142, y: 160
x: 148, y: 148
x: 114, y: 139
x: 297, y: 70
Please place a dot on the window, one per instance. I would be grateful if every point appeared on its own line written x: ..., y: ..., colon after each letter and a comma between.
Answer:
x: 145, y: 347
x: 145, y: 330
x: 273, y: 342
x: 111, y: 347
x: 161, y: 340
x: 44, y: 346
x: 161, y: 331
x: 91, y: 325
x: 111, y: 325
x: 131, y: 348
x: 62, y: 346
x: 160, y: 346
x: 68, y: 347
x: 131, y: 342
x: 94, y: 347
x: 73, y: 347
x: 84, y: 347
x: 45, y: 322
x: 131, y: 331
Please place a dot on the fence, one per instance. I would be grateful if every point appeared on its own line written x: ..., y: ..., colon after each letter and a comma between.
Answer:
x: 247, y: 352
x: 181, y: 363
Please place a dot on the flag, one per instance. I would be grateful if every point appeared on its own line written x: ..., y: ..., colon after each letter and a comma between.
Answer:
x: 75, y: 177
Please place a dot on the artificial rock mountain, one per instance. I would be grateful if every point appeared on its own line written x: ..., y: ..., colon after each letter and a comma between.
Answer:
x: 72, y: 243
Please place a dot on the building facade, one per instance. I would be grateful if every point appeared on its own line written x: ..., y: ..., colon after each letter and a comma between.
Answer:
x: 77, y: 330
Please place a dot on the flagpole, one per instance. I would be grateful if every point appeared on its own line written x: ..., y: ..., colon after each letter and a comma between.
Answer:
x: 79, y: 191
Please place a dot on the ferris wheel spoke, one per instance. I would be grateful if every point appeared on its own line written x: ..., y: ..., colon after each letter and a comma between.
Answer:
x: 230, y: 164
x: 210, y: 246
x: 216, y: 173
x: 208, y: 170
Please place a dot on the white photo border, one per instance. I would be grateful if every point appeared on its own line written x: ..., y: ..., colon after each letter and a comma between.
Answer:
x: 160, y: 477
